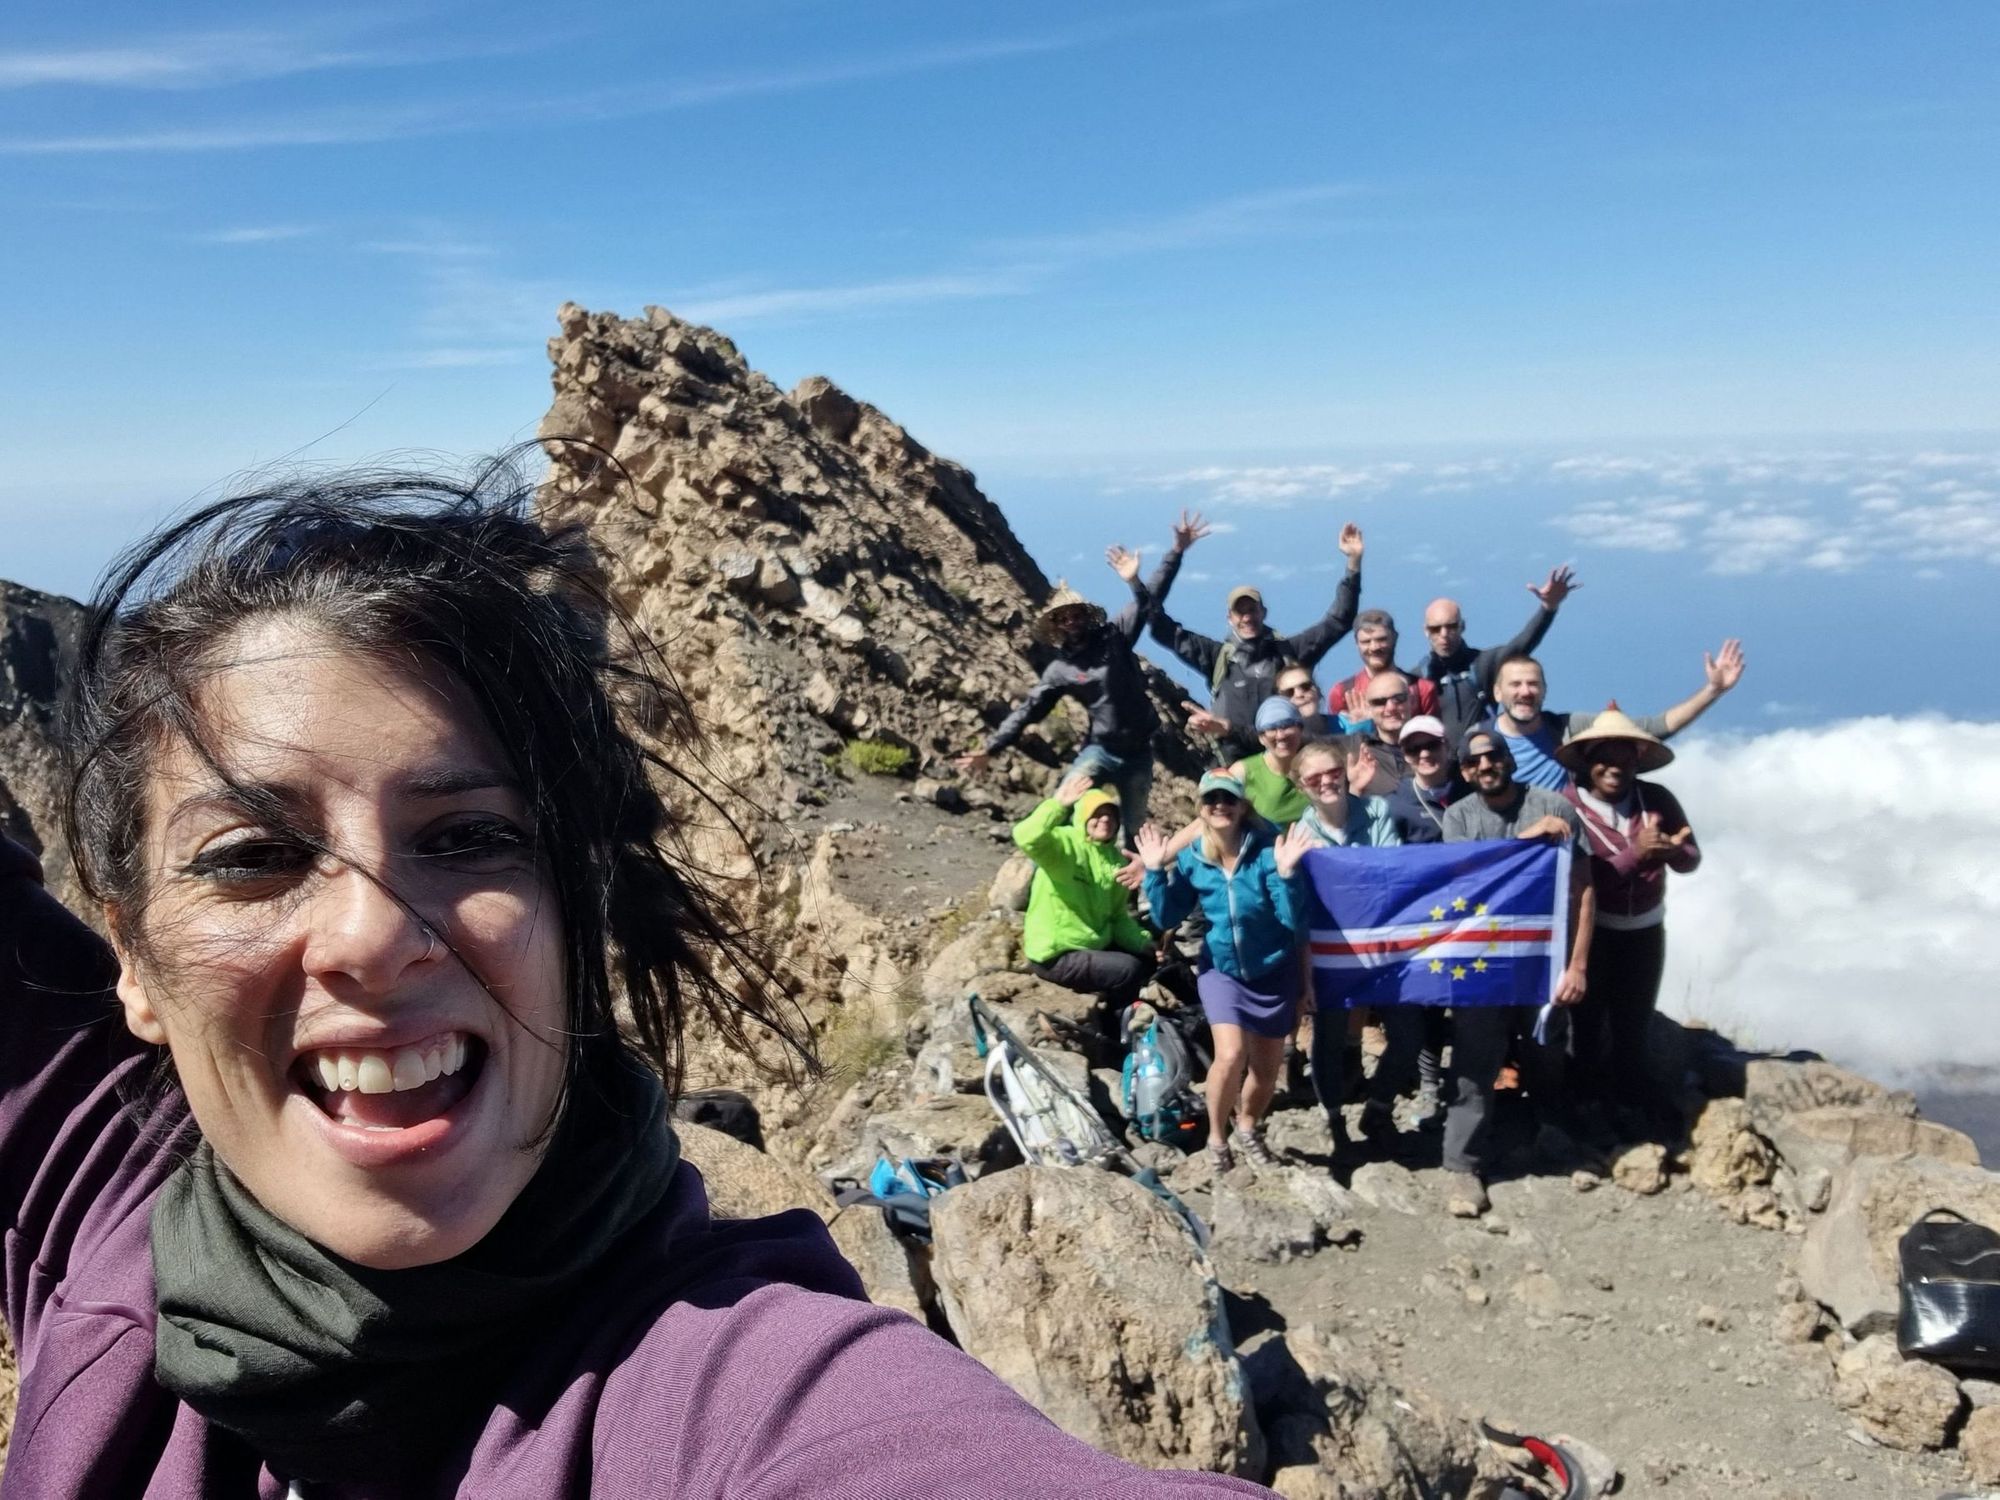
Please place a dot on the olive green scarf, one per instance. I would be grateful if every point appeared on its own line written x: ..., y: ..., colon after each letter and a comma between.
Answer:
x: 330, y: 1370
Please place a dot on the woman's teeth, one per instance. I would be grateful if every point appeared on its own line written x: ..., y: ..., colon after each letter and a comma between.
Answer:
x: 371, y: 1072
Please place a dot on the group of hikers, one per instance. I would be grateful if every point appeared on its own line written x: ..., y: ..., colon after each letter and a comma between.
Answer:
x: 1457, y: 746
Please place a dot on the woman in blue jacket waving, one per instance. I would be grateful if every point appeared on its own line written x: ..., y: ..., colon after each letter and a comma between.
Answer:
x: 1244, y: 876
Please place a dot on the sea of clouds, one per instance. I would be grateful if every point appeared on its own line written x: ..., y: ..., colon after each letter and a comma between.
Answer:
x: 1848, y: 893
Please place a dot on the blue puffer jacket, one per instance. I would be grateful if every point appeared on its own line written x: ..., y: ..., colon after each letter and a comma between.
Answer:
x: 1253, y: 914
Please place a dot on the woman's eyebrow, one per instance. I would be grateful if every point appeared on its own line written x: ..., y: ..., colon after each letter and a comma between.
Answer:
x: 451, y: 781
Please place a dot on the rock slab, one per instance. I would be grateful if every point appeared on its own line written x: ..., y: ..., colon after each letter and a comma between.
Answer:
x: 1087, y: 1295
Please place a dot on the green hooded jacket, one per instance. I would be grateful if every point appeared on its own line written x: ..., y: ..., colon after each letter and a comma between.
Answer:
x: 1075, y: 902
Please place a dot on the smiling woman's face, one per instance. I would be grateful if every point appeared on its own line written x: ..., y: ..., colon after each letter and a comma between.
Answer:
x: 356, y: 1076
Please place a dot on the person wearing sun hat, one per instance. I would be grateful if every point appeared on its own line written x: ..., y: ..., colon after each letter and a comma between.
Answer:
x: 1637, y: 833
x: 1095, y: 664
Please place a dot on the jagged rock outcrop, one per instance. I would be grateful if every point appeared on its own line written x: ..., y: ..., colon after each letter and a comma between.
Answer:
x: 38, y: 640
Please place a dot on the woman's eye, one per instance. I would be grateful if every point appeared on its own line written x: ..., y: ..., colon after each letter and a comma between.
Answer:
x: 250, y: 860
x: 482, y: 842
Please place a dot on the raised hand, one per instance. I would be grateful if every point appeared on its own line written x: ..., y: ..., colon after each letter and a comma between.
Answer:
x: 1071, y: 791
x: 1355, y: 705
x: 1124, y: 562
x: 1724, y: 669
x: 1189, y: 529
x: 1132, y: 874
x: 1290, y: 849
x: 1350, y: 542
x: 975, y: 760
x: 1152, y: 846
x: 1561, y: 584
x: 1361, y: 767
x: 1201, y: 721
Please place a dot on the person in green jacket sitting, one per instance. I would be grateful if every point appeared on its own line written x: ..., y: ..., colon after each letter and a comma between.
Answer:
x: 1080, y: 931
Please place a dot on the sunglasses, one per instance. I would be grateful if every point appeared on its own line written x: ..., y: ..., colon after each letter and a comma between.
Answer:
x: 1447, y: 625
x: 1219, y: 799
x: 1300, y: 687
x: 1481, y: 757
x: 1323, y: 778
x: 1423, y: 747
x: 1385, y: 701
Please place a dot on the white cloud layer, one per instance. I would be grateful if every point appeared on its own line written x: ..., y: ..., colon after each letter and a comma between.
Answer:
x: 1849, y: 894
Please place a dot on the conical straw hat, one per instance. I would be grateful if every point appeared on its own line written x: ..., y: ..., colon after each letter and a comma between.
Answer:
x: 1063, y: 598
x: 1613, y: 724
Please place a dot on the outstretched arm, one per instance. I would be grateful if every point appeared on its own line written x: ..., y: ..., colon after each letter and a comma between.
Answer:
x: 1191, y: 646
x: 1034, y: 708
x: 1310, y: 644
x: 1720, y: 673
x: 1551, y: 594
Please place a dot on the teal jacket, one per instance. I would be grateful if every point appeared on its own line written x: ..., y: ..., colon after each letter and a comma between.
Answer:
x: 1253, y: 914
x: 1075, y: 902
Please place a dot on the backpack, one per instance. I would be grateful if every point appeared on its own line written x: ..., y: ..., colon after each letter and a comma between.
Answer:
x: 1156, y: 1080
x: 903, y: 1189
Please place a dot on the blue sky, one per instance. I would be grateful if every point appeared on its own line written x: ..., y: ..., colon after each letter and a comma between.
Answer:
x: 1697, y: 296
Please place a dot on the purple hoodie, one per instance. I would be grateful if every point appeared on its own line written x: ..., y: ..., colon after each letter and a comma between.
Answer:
x: 709, y: 1358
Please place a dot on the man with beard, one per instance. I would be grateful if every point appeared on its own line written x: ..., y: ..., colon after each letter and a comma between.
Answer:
x: 1535, y: 734
x: 1464, y: 674
x: 1242, y: 671
x: 1484, y: 1035
x: 1096, y: 665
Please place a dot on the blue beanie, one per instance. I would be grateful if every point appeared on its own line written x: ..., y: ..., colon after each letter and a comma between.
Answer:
x: 1278, y: 713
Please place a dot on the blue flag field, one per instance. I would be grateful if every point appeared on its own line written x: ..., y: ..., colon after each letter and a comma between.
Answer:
x: 1482, y: 923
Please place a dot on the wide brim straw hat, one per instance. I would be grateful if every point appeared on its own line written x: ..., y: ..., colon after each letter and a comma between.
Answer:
x: 1613, y: 724
x: 1063, y: 598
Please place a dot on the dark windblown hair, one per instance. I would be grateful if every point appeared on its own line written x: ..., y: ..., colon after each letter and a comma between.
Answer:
x: 417, y: 569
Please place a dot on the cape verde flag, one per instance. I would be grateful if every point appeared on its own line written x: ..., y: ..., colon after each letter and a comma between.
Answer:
x: 1480, y: 923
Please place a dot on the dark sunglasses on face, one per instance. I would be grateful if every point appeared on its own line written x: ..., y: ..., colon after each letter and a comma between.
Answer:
x: 1422, y: 747
x: 1321, y: 778
x: 1300, y: 687
x: 1387, y: 699
x: 1481, y: 757
x: 1219, y: 799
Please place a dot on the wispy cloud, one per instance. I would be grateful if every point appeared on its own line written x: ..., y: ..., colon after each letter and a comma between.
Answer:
x: 1248, y: 215
x: 752, y: 306
x: 218, y: 58
x: 253, y: 234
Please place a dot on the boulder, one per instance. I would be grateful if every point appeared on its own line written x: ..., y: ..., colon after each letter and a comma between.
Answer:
x: 1085, y: 1293
x: 745, y: 1183
x: 990, y: 944
x: 895, y: 1272
x: 1282, y: 1213
x: 1641, y: 1169
x: 960, y: 1125
x: 1340, y: 1430
x: 1979, y: 1444
x: 1835, y: 1135
x: 1009, y: 891
x: 1725, y: 1153
x: 1387, y: 1185
x: 1901, y: 1403
x: 1775, y: 1086
x: 1848, y: 1260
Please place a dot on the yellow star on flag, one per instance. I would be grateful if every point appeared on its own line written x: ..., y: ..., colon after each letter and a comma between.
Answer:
x: 1479, y: 910
x: 1458, y: 971
x: 1458, y: 903
x: 1437, y: 913
x: 1437, y: 966
x: 1479, y: 966
x: 1492, y: 947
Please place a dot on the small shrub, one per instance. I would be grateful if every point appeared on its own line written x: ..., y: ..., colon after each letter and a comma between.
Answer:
x: 877, y: 757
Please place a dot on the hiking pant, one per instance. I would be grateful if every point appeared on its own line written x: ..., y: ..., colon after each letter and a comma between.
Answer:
x: 1404, y: 1026
x: 1336, y: 1064
x: 1130, y: 776
x: 1109, y: 972
x: 1481, y: 1038
x: 1614, y: 1022
x: 1430, y: 1056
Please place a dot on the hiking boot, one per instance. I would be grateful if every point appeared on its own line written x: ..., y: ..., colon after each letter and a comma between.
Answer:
x: 1251, y: 1144
x: 1465, y: 1195
x: 1429, y: 1113
x: 1222, y: 1159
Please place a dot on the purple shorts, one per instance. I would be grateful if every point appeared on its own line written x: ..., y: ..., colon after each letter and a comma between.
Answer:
x: 1267, y: 1006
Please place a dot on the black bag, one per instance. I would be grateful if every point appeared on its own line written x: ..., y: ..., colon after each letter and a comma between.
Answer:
x: 1950, y: 1311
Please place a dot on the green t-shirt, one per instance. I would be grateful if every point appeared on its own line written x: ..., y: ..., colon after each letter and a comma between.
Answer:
x: 1278, y: 798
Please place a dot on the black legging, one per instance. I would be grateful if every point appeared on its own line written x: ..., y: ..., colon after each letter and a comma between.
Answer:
x: 1613, y: 1024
